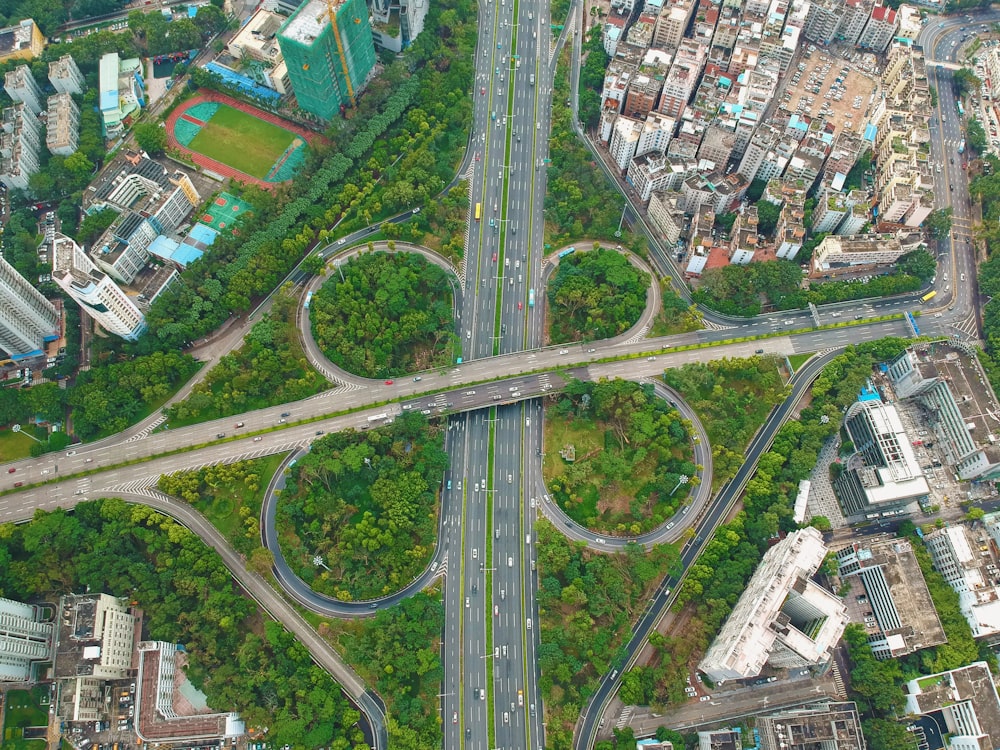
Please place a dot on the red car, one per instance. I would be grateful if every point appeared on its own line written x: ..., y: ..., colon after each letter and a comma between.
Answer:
x: 11, y: 471
x: 520, y: 305
x: 388, y: 382
x: 18, y: 484
x: 494, y: 257
x: 483, y: 91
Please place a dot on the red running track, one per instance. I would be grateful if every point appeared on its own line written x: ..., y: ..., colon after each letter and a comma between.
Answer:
x: 207, y: 95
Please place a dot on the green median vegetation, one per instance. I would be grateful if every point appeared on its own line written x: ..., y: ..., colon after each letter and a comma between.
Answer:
x: 675, y: 315
x: 732, y: 398
x: 595, y: 295
x: 269, y: 369
x: 587, y: 603
x: 366, y: 504
x: 616, y: 456
x: 239, y: 658
x: 390, y: 314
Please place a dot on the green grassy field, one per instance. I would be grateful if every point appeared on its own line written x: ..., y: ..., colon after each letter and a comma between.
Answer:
x: 241, y: 141
x: 15, y: 445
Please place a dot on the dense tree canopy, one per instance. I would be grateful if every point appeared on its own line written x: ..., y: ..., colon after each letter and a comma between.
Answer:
x: 239, y: 661
x: 595, y: 295
x: 367, y: 504
x: 630, y: 481
x: 390, y: 314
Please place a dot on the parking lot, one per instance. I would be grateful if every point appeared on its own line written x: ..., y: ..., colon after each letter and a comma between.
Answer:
x: 822, y: 84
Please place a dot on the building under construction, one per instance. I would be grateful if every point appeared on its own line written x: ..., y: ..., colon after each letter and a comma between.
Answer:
x: 328, y: 48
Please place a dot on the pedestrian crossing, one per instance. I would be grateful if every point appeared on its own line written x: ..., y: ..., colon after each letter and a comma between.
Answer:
x: 838, y: 681
x: 639, y: 336
x: 624, y: 718
x: 145, y: 431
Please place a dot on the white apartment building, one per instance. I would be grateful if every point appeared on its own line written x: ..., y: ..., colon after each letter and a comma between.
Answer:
x: 780, y: 605
x: 625, y: 141
x: 62, y: 128
x: 666, y: 215
x: 96, y: 293
x: 880, y: 29
x: 65, y: 76
x: 20, y: 143
x: 656, y: 134
x: 25, y: 639
x: 853, y: 21
x: 648, y: 173
x: 21, y: 87
x: 790, y: 233
x: 857, y: 216
x: 955, y: 551
x: 27, y: 319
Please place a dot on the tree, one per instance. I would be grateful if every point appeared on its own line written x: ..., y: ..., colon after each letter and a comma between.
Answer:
x: 919, y: 263
x: 151, y: 137
x: 966, y: 82
x: 767, y: 217
x: 888, y: 735
x: 313, y: 264
x: 976, y: 136
x: 94, y: 224
x: 938, y: 223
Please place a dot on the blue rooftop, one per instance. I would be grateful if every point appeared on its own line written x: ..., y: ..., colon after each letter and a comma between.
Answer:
x: 108, y: 82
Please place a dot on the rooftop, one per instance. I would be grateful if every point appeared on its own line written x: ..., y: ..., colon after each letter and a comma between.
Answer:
x: 308, y: 22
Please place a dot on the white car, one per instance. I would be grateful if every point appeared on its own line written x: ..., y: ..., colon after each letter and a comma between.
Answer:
x: 510, y: 562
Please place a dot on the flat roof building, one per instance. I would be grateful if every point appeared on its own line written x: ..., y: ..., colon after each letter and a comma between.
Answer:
x: 62, y: 132
x: 963, y: 558
x: 883, y: 476
x: 23, y: 41
x: 96, y: 637
x: 122, y: 92
x: 25, y: 639
x: 830, y: 726
x: 329, y: 64
x: 965, y: 699
x: 783, y: 618
x: 890, y: 596
x: 65, y: 76
x: 21, y: 87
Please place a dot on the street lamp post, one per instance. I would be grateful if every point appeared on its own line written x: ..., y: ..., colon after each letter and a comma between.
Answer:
x: 17, y: 428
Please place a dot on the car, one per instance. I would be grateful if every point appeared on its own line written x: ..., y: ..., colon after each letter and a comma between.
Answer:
x: 506, y: 718
x: 470, y: 393
x: 520, y: 698
x: 475, y: 553
x: 475, y: 694
x: 388, y: 382
x: 342, y: 240
x: 220, y: 435
x: 704, y: 698
x: 600, y: 541
x: 73, y: 453
x: 650, y: 359
x: 417, y: 379
x: 319, y: 432
x: 510, y: 562
x: 494, y: 257
x: 591, y: 351
x: 88, y: 461
x: 516, y: 394
x: 564, y: 351
x: 468, y: 733
x: 496, y: 610
x: 18, y: 484
x: 482, y: 90
x: 11, y: 471
x: 258, y: 439
x: 758, y: 351
x: 520, y: 305
x: 282, y: 420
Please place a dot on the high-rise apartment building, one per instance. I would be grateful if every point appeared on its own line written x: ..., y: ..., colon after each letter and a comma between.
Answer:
x: 328, y: 48
x: 96, y: 292
x: 20, y: 143
x: 21, y: 87
x: 65, y: 76
x: 24, y: 639
x: 62, y: 132
x: 27, y: 319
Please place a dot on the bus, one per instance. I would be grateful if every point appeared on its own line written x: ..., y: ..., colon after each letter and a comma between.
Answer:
x: 567, y: 251
x: 928, y: 297
x: 479, y: 211
x: 961, y: 109
x: 308, y: 300
x: 378, y: 417
x: 531, y: 298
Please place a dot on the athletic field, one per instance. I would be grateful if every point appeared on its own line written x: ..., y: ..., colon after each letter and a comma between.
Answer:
x: 241, y: 141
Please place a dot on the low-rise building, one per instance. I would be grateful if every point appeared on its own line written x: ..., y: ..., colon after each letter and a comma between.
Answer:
x: 841, y: 252
x: 22, y: 41
x: 889, y: 597
x: 831, y: 726
x: 965, y: 699
x: 122, y: 92
x: 783, y: 618
x: 720, y: 739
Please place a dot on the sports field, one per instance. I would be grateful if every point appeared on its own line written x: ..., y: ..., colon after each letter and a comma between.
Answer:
x: 241, y: 141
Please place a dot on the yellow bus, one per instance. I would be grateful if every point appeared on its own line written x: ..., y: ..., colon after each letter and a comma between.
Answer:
x: 479, y: 211
x: 928, y: 297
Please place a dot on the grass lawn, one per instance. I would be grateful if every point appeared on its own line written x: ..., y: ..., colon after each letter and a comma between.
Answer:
x: 14, y: 445
x: 798, y: 360
x: 222, y: 505
x: 241, y: 141
x: 23, y: 709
